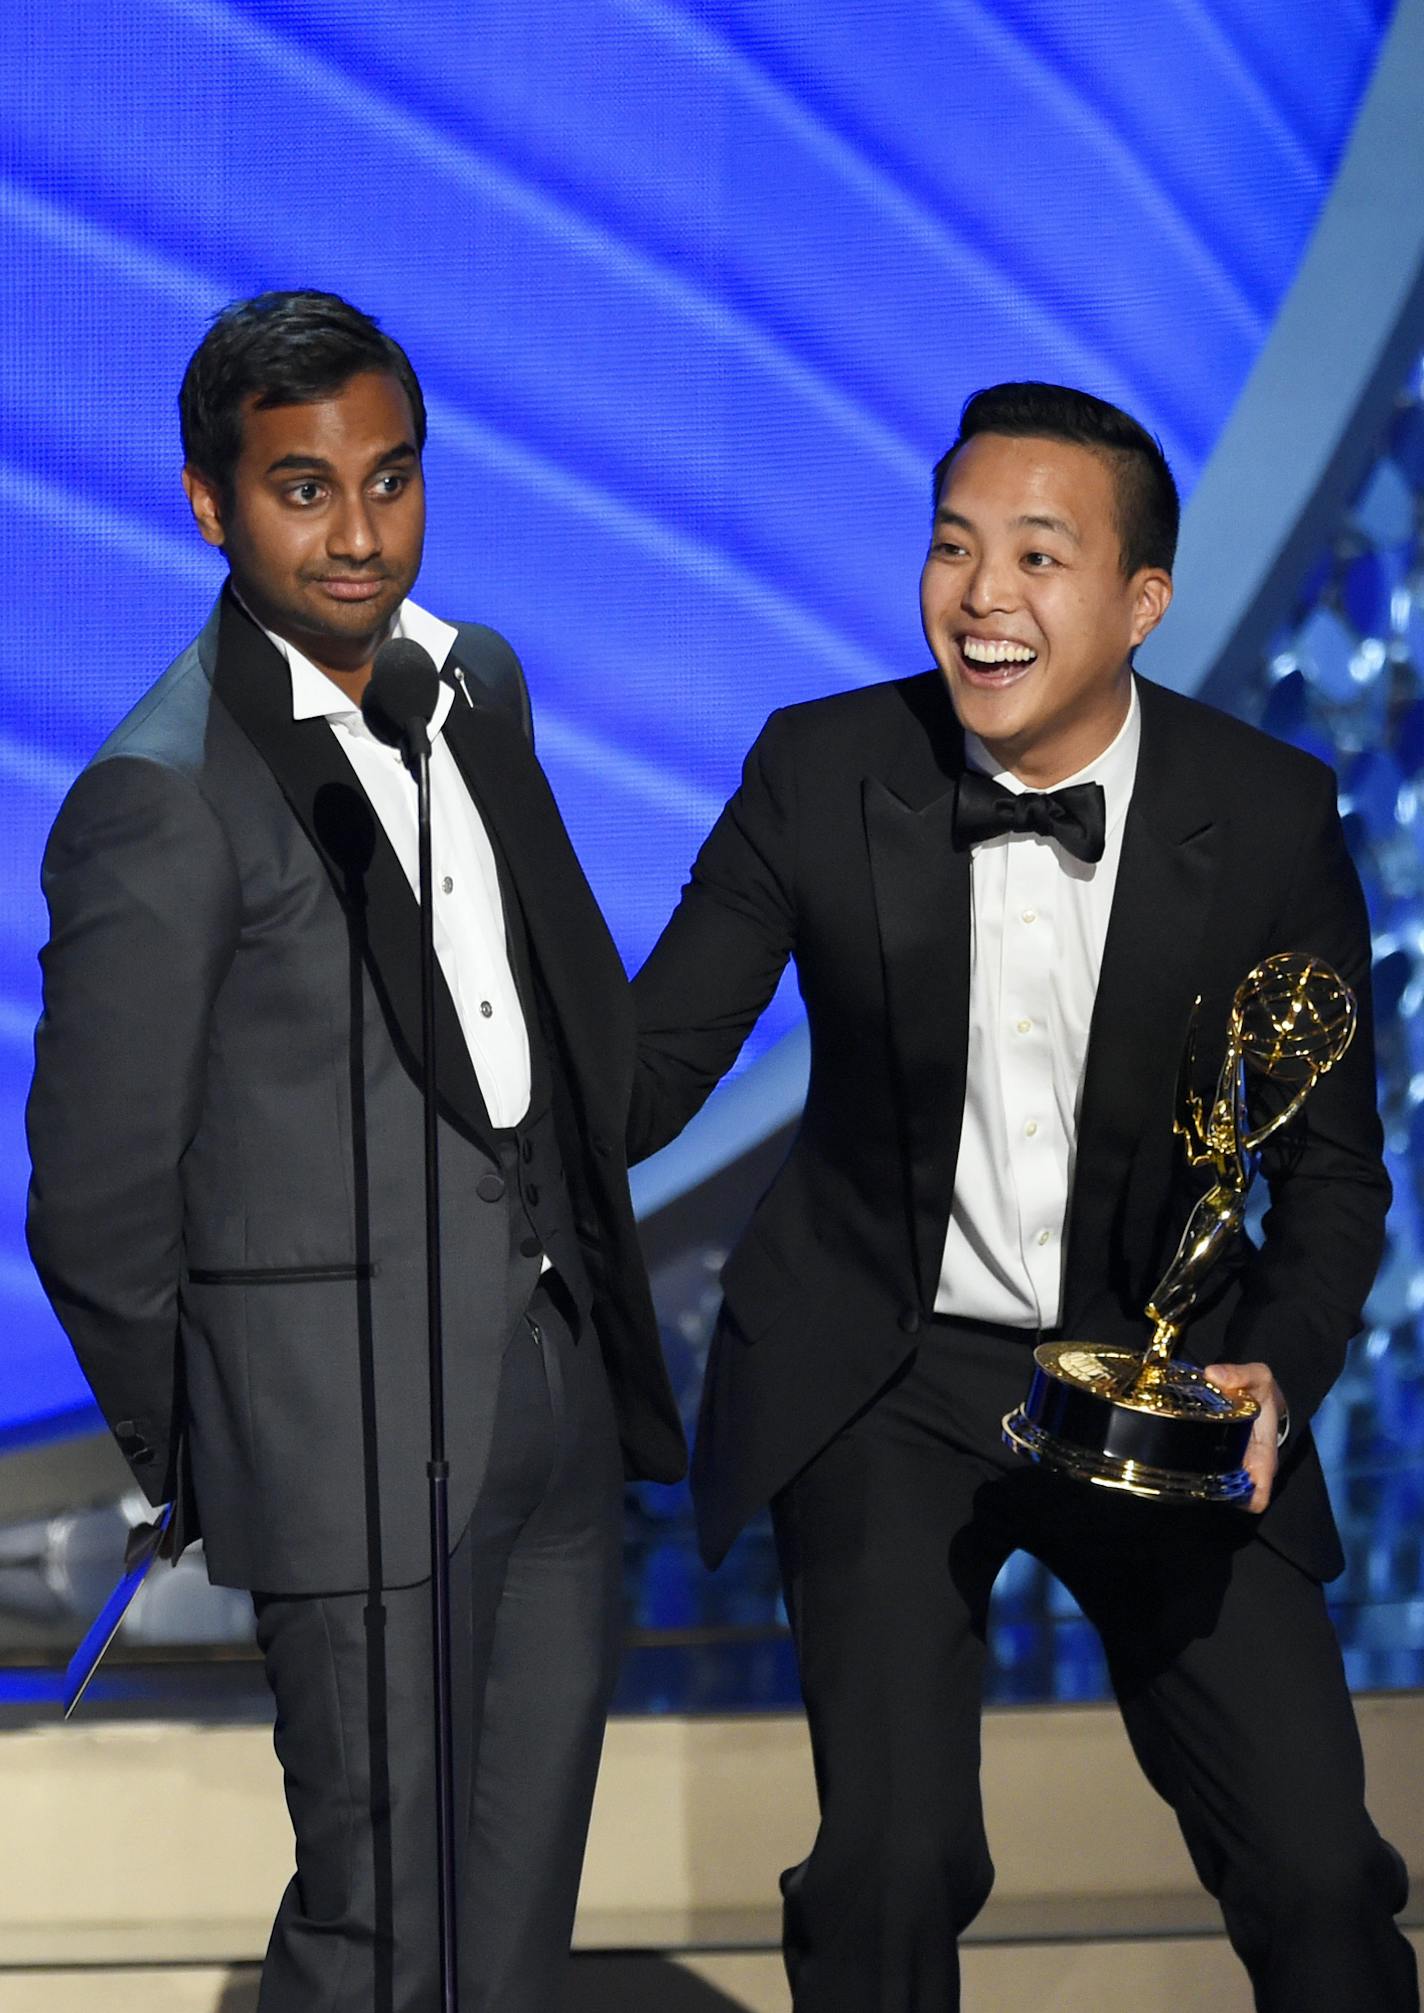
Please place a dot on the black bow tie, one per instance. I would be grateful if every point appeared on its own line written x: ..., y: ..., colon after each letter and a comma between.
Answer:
x: 1076, y: 817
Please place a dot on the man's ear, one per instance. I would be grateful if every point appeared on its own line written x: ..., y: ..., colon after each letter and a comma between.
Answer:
x: 204, y: 502
x: 1152, y: 596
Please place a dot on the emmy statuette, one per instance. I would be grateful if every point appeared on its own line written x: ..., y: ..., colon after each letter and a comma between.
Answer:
x: 1145, y: 1421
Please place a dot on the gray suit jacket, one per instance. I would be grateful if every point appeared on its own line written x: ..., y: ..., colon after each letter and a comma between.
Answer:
x: 226, y: 1122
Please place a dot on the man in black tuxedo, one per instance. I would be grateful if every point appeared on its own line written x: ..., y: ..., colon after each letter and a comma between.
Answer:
x: 228, y: 1207
x: 1003, y: 883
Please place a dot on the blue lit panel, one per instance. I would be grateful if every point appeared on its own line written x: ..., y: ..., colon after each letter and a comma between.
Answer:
x: 1345, y: 678
x: 696, y: 292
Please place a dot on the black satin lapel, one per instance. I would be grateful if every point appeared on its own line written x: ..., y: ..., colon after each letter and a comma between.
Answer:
x: 574, y: 957
x: 921, y: 886
x: 320, y: 785
x: 1152, y: 961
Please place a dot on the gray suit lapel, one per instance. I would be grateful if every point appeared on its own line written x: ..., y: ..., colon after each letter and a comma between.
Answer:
x: 320, y: 785
x: 575, y: 967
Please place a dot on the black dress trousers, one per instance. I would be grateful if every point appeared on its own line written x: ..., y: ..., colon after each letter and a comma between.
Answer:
x: 536, y: 1614
x: 1222, y: 1656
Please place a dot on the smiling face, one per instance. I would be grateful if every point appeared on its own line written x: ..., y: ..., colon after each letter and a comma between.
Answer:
x: 1025, y: 604
x: 325, y: 522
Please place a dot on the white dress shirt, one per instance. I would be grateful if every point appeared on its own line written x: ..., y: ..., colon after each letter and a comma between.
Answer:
x: 470, y: 939
x: 1040, y: 919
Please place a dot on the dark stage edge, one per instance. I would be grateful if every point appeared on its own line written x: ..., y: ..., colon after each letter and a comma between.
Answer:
x: 712, y: 1672
x: 702, y: 1674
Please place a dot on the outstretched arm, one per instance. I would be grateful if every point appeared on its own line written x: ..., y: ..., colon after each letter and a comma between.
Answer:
x: 143, y: 900
x: 717, y: 963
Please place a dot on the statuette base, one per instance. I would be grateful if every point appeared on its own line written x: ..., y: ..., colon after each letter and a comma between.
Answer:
x: 1106, y: 1415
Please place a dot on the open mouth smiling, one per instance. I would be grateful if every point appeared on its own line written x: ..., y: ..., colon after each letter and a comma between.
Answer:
x: 995, y: 660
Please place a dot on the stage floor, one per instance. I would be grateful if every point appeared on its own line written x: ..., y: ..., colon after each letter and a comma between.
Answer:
x: 147, y: 1843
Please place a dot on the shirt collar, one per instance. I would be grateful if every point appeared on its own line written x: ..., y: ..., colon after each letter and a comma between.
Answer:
x: 1115, y: 769
x: 317, y: 697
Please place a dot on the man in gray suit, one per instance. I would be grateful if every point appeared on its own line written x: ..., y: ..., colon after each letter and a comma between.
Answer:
x: 227, y: 1203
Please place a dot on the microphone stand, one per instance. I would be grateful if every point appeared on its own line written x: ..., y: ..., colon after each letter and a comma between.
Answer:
x: 417, y: 753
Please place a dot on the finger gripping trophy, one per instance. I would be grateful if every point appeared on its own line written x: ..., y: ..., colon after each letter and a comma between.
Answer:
x: 1145, y: 1421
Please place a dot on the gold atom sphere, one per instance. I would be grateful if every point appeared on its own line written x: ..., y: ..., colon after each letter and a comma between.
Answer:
x: 1296, y: 1017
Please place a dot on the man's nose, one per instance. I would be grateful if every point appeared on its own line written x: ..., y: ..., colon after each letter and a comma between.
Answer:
x: 988, y: 587
x: 353, y: 531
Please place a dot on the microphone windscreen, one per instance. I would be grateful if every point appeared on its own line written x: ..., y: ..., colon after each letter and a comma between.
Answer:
x: 403, y: 688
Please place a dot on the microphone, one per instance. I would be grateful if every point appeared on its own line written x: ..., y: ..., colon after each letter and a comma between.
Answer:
x: 399, y: 701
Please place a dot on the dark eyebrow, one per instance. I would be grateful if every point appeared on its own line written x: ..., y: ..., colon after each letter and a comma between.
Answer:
x: 315, y: 464
x: 1058, y: 524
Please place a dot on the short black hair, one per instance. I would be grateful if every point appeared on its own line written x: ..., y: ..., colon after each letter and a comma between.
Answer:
x: 290, y: 349
x: 1148, y: 507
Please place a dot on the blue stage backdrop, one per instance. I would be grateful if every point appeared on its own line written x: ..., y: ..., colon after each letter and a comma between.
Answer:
x: 696, y: 292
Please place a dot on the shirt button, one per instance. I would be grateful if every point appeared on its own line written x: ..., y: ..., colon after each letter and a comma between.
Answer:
x: 1045, y: 1236
x: 1025, y: 1027
x: 1031, y: 1128
x: 447, y: 885
x: 1029, y: 916
x: 486, y: 1009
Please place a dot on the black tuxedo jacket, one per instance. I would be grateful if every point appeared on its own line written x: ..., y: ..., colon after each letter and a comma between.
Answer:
x: 227, y: 1205
x: 837, y: 851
